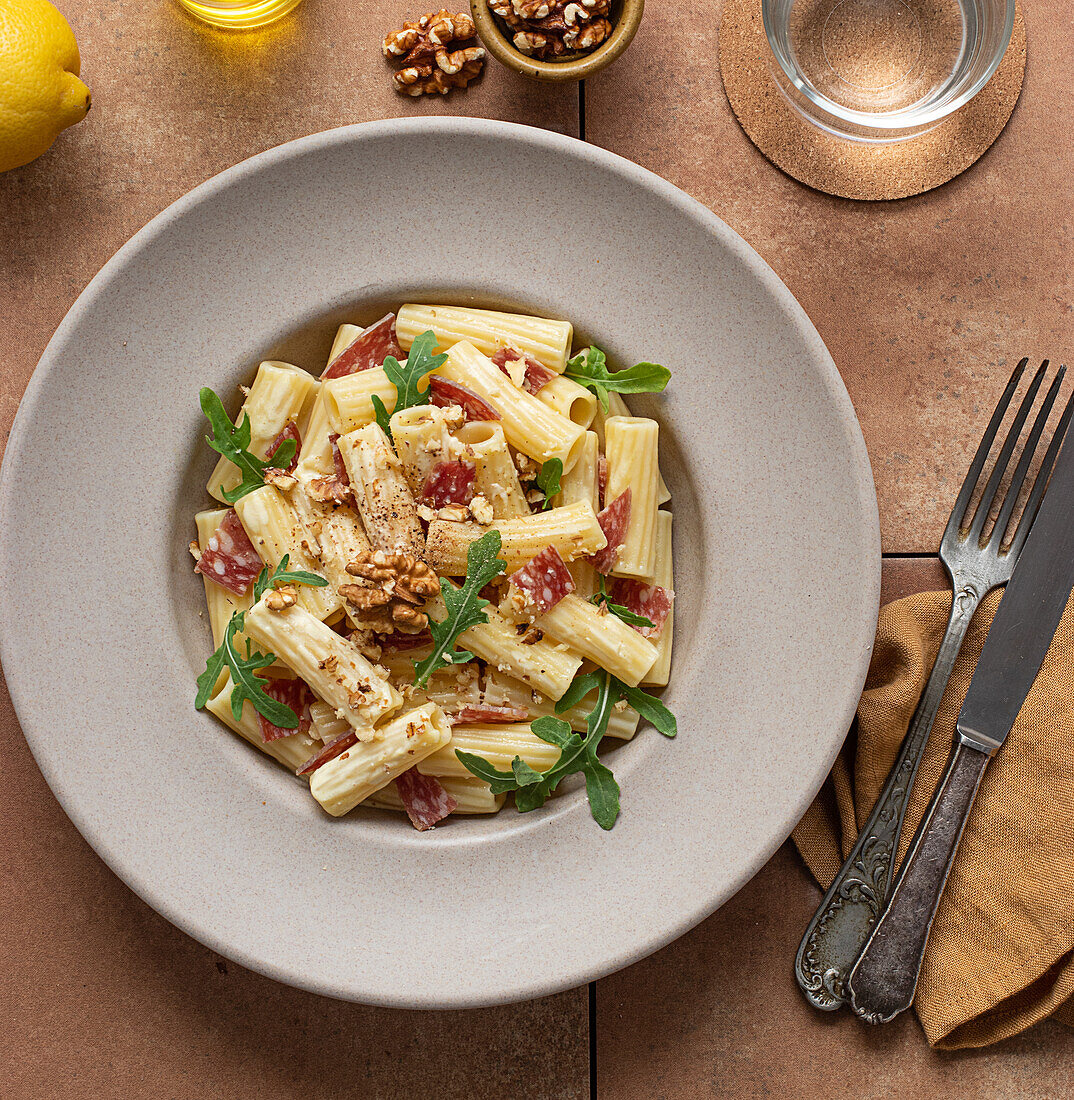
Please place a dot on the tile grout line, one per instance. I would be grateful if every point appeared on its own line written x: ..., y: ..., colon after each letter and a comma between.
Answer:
x: 592, y: 1041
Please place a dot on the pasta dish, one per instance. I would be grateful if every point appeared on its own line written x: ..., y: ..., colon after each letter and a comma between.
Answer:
x: 441, y: 572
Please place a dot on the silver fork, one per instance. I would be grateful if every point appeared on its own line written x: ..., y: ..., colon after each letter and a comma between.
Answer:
x: 976, y: 565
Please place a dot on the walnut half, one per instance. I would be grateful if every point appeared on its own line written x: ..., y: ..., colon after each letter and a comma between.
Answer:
x: 428, y: 65
x: 394, y: 594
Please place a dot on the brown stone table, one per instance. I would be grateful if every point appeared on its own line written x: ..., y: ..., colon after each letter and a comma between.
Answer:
x: 924, y: 304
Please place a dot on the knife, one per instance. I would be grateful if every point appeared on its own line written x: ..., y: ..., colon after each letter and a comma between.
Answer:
x: 882, y: 982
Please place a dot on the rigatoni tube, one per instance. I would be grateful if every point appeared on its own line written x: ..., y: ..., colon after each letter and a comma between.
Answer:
x: 495, y: 476
x: 291, y: 751
x: 573, y: 530
x: 548, y: 341
x: 499, y: 744
x: 279, y: 394
x: 660, y: 673
x: 333, y: 666
x: 368, y: 766
x: 632, y: 452
x: 275, y: 528
x: 381, y: 492
x: 599, y: 636
x: 529, y: 425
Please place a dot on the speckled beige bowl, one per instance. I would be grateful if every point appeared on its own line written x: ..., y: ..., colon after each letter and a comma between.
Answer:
x: 777, y: 562
x: 625, y: 16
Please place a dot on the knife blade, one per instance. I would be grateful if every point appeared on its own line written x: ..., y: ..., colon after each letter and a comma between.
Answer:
x: 1027, y: 618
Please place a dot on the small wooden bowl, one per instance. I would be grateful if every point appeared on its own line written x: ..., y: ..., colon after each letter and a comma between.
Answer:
x: 625, y: 17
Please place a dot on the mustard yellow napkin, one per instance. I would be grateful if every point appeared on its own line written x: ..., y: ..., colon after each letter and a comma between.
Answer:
x: 1001, y: 953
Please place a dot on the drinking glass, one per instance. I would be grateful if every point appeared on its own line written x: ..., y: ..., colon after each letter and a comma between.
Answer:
x: 884, y: 70
x: 239, y: 14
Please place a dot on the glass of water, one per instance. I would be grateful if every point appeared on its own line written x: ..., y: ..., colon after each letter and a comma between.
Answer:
x: 884, y: 70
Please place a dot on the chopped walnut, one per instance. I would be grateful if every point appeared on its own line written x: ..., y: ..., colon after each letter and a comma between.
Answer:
x: 397, y: 586
x: 553, y: 28
x: 527, y: 468
x: 279, y: 598
x: 329, y: 663
x: 481, y: 510
x: 279, y: 479
x: 428, y: 65
x: 195, y: 550
x: 426, y: 513
x: 454, y: 513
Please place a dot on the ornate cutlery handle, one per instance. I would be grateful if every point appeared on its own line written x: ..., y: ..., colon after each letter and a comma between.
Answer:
x: 842, y: 923
x: 884, y: 978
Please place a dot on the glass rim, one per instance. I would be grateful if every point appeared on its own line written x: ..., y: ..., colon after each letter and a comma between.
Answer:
x: 906, y: 119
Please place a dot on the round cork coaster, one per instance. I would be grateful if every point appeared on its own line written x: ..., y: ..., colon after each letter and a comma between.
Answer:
x: 855, y: 169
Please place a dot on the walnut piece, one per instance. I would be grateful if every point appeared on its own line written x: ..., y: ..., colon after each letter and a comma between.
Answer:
x: 277, y: 599
x: 552, y: 28
x: 391, y: 600
x: 428, y: 65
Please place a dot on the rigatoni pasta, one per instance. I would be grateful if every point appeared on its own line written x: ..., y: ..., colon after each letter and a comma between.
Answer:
x: 454, y: 588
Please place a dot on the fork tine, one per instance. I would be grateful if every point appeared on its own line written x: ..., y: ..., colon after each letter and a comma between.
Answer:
x: 1026, y: 458
x: 958, y: 513
x: 984, y: 506
x: 1025, y: 521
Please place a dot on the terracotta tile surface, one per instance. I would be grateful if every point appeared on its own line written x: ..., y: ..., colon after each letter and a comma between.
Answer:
x: 925, y: 303
x: 717, y: 1016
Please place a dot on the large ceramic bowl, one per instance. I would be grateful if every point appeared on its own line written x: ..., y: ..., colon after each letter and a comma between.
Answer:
x: 777, y: 561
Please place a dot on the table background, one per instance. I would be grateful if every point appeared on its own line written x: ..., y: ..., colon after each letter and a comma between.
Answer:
x: 925, y: 304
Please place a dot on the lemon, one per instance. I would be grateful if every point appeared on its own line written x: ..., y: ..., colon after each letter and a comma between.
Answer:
x: 40, y: 93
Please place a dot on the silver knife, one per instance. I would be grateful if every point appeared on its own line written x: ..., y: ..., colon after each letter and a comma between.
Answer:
x: 882, y: 981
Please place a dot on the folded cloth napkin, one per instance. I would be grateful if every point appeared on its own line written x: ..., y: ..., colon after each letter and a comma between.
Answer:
x: 1001, y: 953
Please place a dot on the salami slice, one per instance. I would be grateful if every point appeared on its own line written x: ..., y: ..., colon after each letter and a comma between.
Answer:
x: 424, y: 799
x: 449, y: 483
x: 329, y: 752
x: 294, y: 694
x: 614, y: 521
x: 229, y: 558
x: 544, y: 578
x: 368, y: 349
x: 649, y: 600
x: 443, y: 392
x: 536, y: 375
x: 290, y: 431
x: 488, y: 713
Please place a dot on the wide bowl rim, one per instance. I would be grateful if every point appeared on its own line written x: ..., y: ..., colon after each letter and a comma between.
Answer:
x: 102, y: 840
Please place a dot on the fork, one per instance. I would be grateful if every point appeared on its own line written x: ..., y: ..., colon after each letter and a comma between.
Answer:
x: 976, y: 565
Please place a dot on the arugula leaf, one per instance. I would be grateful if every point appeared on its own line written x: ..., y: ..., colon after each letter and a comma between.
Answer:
x: 407, y: 377
x: 382, y: 416
x: 247, y: 684
x: 650, y: 708
x: 548, y: 480
x: 617, y: 609
x: 243, y: 670
x: 465, y: 607
x: 576, y: 754
x: 590, y: 368
x: 283, y: 575
x: 233, y: 442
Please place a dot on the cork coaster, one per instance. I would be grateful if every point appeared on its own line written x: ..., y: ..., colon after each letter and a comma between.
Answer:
x: 853, y: 169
